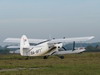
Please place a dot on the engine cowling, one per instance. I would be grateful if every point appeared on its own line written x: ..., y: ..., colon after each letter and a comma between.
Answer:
x: 59, y: 45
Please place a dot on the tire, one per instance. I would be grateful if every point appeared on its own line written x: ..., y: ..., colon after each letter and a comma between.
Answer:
x: 45, y: 57
x: 62, y: 57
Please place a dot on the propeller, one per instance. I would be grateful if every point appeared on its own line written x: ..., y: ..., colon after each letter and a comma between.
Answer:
x: 73, y: 45
x: 64, y: 48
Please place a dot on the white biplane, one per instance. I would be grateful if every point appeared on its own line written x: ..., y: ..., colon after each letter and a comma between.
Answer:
x: 45, y: 47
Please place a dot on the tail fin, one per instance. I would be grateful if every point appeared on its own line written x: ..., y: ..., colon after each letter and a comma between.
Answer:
x: 24, y: 45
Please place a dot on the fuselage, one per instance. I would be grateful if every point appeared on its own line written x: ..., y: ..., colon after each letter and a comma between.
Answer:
x: 43, y: 49
x: 38, y: 50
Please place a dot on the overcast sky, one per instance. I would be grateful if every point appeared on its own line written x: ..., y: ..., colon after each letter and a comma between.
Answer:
x: 41, y: 18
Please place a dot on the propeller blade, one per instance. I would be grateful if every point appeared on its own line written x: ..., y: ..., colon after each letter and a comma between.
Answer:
x: 64, y: 48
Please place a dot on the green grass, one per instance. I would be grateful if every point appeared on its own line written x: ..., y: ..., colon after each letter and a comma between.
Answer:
x: 74, y: 64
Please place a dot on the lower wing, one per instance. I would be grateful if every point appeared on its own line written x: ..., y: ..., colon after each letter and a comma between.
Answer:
x: 69, y: 52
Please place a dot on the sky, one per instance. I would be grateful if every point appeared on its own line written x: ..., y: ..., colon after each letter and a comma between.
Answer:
x: 44, y: 18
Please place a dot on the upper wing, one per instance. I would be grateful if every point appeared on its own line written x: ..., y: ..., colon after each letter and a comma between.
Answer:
x: 72, y: 39
x: 36, y: 41
x: 17, y: 40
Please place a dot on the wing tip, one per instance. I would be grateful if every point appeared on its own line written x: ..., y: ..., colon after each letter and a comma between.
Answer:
x: 92, y: 37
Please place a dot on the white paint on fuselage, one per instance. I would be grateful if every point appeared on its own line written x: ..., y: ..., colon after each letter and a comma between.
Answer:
x: 39, y: 50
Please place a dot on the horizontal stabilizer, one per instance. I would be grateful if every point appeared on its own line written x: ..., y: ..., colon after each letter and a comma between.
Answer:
x: 13, y: 47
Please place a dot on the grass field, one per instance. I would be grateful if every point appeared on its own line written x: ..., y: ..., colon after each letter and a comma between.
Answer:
x: 74, y: 64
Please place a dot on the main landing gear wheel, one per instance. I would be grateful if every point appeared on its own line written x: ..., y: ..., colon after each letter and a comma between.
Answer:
x: 62, y: 57
x: 27, y: 58
x: 45, y: 57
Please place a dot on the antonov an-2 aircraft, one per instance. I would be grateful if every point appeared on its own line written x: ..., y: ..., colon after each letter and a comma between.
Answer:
x: 46, y: 47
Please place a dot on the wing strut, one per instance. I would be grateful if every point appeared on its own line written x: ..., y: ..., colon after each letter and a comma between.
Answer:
x: 74, y: 45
